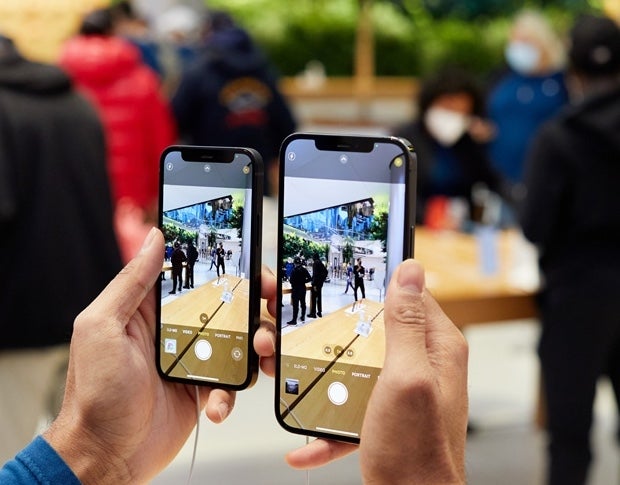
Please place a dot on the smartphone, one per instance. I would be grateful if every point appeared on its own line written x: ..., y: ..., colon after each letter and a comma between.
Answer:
x: 210, y: 212
x: 346, y: 205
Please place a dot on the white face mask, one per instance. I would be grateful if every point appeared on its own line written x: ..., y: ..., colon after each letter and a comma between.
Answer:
x: 445, y: 125
x: 522, y: 57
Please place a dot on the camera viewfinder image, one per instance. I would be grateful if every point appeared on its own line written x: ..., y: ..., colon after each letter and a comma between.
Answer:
x: 342, y: 235
x: 205, y: 300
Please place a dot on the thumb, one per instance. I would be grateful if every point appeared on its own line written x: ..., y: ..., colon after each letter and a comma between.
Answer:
x: 125, y: 293
x: 405, y: 317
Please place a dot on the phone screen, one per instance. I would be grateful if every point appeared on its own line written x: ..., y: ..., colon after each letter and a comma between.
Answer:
x: 344, y: 227
x: 210, y: 282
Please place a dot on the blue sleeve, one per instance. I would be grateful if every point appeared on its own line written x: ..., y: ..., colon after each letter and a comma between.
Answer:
x: 38, y: 463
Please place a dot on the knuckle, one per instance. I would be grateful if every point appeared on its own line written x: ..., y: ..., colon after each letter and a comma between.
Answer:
x: 409, y: 312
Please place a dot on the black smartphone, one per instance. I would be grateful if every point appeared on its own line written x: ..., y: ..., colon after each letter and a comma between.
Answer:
x: 210, y: 212
x: 346, y: 220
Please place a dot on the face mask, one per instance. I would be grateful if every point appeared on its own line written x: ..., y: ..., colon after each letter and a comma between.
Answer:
x: 522, y: 57
x: 446, y: 126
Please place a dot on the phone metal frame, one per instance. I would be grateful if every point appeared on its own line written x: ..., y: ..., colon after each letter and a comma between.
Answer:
x: 210, y: 154
x: 346, y: 143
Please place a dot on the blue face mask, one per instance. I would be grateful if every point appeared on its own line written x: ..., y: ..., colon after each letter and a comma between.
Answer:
x: 522, y: 57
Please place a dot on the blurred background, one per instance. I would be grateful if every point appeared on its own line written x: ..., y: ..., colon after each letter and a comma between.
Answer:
x: 360, y: 66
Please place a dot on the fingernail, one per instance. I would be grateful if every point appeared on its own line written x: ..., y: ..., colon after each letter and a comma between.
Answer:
x: 148, y: 240
x: 410, y: 277
x: 223, y: 409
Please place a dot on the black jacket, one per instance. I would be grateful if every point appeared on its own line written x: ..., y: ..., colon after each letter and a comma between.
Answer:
x: 319, y: 273
x: 299, y: 278
x: 572, y: 207
x: 57, y: 245
x: 231, y: 98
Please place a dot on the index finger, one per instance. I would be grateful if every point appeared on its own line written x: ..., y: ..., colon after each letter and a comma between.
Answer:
x: 318, y: 453
x: 269, y: 289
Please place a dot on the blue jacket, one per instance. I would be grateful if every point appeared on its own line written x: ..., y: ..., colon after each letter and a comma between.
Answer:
x: 518, y: 105
x: 37, y: 463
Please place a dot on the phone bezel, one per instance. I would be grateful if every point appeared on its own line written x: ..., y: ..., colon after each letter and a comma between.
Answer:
x: 212, y: 154
x: 342, y: 143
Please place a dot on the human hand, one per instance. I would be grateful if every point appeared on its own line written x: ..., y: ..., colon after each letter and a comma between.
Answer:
x: 481, y: 130
x: 120, y: 422
x: 416, y: 422
x: 131, y: 225
x: 318, y: 452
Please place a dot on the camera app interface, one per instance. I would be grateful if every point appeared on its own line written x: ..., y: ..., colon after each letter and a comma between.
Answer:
x: 205, y: 277
x: 343, y: 222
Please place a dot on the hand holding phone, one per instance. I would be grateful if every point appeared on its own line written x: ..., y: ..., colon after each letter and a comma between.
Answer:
x: 209, y: 292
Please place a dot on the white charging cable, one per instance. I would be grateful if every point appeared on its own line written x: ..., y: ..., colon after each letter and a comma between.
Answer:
x: 191, y: 467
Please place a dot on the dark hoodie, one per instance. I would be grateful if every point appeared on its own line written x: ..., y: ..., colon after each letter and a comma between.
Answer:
x: 231, y: 98
x: 572, y: 208
x: 56, y: 235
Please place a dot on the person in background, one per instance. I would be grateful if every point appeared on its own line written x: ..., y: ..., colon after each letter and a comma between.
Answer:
x: 450, y: 137
x: 231, y: 97
x: 358, y: 278
x: 168, y: 40
x: 177, y: 259
x: 319, y: 275
x: 530, y: 91
x: 126, y: 23
x: 57, y: 235
x: 572, y: 213
x: 180, y: 31
x: 213, y: 255
x: 137, y: 119
x: 349, y: 273
x: 415, y: 425
x: 298, y: 279
x: 192, y: 257
x: 220, y: 255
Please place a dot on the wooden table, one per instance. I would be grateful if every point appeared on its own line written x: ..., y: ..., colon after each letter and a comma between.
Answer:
x: 191, y: 308
x: 454, y: 277
x: 332, y: 346
x: 338, y: 329
x: 216, y: 312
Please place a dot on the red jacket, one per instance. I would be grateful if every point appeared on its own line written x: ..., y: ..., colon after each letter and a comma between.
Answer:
x: 136, y: 117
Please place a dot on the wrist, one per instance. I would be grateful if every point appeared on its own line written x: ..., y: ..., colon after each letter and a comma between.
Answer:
x: 87, y: 457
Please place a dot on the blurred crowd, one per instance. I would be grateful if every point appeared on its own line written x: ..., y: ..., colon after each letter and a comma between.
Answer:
x: 534, y: 146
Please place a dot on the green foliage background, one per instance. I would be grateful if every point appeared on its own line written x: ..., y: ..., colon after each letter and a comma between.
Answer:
x: 294, y: 244
x: 175, y: 233
x: 412, y: 37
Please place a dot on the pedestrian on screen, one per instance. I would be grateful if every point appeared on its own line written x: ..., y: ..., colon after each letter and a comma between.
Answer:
x: 319, y: 275
x: 358, y: 272
x: 299, y: 278
x: 192, y: 256
x: 220, y: 254
x: 177, y: 259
